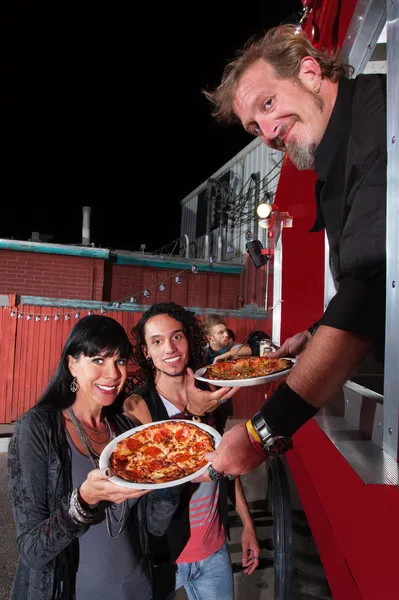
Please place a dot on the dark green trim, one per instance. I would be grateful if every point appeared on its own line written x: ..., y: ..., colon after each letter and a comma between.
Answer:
x: 243, y: 313
x: 177, y: 264
x: 44, y: 248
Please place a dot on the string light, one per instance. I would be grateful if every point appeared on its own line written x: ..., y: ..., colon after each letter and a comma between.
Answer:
x: 230, y: 248
x: 89, y: 313
x: 146, y: 292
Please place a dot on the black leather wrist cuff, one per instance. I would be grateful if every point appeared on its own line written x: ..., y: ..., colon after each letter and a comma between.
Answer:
x: 286, y: 411
x: 313, y: 328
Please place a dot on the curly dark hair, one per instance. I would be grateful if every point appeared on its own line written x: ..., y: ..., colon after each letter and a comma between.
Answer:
x: 192, y: 330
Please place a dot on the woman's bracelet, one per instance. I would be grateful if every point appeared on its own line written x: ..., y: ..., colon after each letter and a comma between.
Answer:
x: 78, y: 514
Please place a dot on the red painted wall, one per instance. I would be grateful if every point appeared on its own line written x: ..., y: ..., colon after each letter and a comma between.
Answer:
x: 30, y: 351
x: 303, y: 253
x: 210, y: 290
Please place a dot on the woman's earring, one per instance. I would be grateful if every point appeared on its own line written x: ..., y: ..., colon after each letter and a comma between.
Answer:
x: 74, y: 386
x: 148, y: 357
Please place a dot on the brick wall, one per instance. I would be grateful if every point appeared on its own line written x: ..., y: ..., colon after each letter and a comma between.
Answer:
x: 84, y: 278
x: 51, y: 275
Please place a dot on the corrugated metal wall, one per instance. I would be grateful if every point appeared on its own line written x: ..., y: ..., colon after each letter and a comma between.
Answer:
x: 30, y: 351
x: 254, y: 158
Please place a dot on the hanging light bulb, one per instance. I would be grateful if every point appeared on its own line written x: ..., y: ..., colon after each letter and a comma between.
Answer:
x: 13, y: 313
x: 177, y: 280
x: 37, y: 318
x: 29, y: 317
x: 162, y: 287
x: 147, y: 293
x: 230, y: 248
x: 67, y: 317
x: 103, y: 310
x: 194, y: 269
x: 132, y: 300
x: 263, y: 210
x: 20, y: 316
x: 77, y: 315
x: 211, y: 260
x: 118, y: 304
x: 57, y: 318
x: 46, y: 318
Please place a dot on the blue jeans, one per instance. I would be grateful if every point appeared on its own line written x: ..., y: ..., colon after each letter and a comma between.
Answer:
x: 208, y: 579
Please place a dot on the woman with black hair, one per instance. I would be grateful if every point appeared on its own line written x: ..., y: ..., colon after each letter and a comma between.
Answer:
x: 76, y: 533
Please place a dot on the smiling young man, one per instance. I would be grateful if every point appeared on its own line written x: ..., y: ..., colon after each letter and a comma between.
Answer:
x: 168, y: 346
x: 300, y: 100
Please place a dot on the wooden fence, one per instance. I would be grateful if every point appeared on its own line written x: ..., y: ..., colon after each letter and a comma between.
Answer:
x: 31, y: 348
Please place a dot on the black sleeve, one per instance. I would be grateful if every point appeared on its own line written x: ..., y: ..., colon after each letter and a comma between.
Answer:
x: 41, y: 534
x: 359, y: 305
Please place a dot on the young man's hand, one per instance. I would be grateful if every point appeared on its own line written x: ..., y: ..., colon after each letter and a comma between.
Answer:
x: 200, y: 402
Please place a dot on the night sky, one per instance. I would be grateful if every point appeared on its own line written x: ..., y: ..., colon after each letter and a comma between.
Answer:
x: 104, y: 108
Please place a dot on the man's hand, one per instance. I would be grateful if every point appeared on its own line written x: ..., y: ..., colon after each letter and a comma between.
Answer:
x: 235, y: 454
x: 250, y: 549
x: 200, y: 401
x: 293, y: 345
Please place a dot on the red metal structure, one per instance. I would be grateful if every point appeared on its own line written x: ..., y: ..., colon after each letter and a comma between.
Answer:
x: 355, y: 523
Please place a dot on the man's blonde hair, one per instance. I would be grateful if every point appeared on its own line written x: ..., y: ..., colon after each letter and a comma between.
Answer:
x: 210, y: 321
x: 283, y: 48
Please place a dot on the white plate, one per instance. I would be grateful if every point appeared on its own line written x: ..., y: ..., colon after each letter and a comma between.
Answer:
x: 244, y: 382
x: 104, y: 460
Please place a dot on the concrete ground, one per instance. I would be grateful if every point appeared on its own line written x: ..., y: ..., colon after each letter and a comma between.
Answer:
x: 309, y: 581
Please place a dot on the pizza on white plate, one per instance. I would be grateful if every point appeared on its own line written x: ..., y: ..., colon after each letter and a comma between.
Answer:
x: 246, y: 368
x: 162, y: 452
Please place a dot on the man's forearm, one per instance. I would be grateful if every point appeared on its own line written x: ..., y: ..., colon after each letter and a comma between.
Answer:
x: 329, y: 359
x: 241, y: 505
x: 243, y: 350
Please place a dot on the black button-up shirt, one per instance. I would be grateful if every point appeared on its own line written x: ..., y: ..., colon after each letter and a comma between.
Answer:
x: 351, y: 163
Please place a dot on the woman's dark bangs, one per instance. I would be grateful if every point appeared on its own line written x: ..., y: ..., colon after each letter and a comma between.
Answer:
x: 106, y: 346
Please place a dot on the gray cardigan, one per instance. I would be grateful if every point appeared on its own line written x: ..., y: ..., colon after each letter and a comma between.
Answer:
x: 47, y: 537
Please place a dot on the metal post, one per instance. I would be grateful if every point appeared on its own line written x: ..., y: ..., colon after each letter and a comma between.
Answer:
x: 256, y: 179
x: 208, y: 217
x: 391, y: 380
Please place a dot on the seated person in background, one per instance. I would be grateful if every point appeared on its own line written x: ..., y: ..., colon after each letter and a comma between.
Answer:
x: 232, y: 336
x: 168, y: 346
x: 219, y: 346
